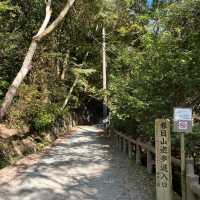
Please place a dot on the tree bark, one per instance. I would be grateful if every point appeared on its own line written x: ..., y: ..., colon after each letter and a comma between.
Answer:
x: 70, y: 93
x: 58, y: 68
x: 104, y: 69
x: 26, y: 67
x: 57, y: 21
x: 65, y: 64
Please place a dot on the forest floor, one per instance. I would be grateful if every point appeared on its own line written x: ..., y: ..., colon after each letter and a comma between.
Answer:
x: 81, y: 166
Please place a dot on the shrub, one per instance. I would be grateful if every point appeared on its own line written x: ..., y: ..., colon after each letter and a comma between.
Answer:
x: 43, y: 120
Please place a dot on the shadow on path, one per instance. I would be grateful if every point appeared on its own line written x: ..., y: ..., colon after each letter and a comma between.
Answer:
x: 81, y: 167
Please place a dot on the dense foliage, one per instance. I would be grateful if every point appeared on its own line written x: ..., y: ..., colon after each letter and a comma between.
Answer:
x: 158, y: 68
x: 68, y: 53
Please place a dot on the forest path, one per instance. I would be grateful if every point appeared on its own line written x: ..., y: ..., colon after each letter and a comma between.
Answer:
x: 81, y: 167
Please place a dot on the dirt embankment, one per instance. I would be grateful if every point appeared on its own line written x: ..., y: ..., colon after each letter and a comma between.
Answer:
x: 17, y: 143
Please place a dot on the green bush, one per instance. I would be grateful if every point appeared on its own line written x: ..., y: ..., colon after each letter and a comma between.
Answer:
x: 4, y: 155
x: 193, y: 147
x: 43, y: 120
x: 3, y: 86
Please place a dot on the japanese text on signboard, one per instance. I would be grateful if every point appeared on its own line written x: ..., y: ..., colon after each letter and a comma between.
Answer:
x: 163, y: 159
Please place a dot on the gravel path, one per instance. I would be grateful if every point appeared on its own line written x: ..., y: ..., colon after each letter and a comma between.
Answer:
x: 81, y: 167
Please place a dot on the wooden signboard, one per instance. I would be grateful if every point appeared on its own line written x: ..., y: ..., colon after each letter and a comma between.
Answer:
x: 163, y: 160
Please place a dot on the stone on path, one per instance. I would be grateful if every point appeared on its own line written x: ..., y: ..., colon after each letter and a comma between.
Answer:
x: 82, y: 166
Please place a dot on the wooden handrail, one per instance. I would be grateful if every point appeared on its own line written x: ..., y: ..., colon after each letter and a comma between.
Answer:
x: 195, y: 187
x: 125, y: 143
x: 175, y: 161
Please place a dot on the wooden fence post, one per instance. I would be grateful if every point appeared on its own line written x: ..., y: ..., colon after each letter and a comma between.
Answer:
x: 134, y: 150
x: 120, y: 143
x: 138, y: 153
x: 149, y: 159
x: 112, y: 138
x: 129, y: 150
x: 191, y: 178
x: 124, y: 145
x: 118, y: 139
x: 115, y: 139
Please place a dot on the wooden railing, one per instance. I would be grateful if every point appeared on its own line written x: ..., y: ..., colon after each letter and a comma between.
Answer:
x: 193, y: 186
x: 129, y: 145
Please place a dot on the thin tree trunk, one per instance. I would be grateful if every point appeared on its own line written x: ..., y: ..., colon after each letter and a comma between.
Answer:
x: 70, y: 93
x: 26, y: 67
x: 57, y: 21
x: 65, y: 64
x: 58, y: 68
x: 104, y: 68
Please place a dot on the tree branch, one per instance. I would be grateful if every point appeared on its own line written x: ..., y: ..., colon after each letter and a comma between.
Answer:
x: 56, y: 22
x: 47, y: 18
x: 70, y: 92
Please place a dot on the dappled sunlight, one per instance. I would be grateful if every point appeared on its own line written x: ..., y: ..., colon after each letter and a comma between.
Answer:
x: 81, y: 167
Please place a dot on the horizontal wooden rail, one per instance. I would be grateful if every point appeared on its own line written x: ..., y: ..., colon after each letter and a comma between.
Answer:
x: 128, y: 144
x: 193, y: 186
x: 175, y: 161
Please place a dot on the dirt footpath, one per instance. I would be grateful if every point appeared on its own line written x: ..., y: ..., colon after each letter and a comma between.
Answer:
x: 80, y: 167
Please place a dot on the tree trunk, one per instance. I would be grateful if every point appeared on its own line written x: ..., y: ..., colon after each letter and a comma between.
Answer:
x: 70, y: 93
x: 104, y: 66
x: 26, y: 67
x: 65, y: 64
x: 57, y: 21
x: 58, y: 68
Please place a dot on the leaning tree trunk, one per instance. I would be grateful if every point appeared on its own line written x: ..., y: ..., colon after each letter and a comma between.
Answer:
x: 70, y: 92
x: 26, y: 67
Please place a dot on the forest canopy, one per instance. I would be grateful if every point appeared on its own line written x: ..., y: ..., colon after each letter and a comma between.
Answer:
x: 152, y: 51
